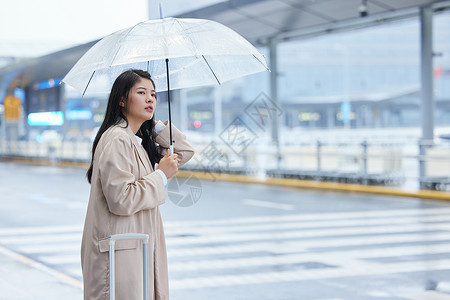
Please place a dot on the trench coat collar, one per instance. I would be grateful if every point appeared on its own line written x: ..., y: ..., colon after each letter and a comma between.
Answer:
x: 139, y: 148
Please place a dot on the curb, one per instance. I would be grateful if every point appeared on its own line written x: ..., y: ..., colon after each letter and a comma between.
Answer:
x: 297, y: 183
x: 321, y: 185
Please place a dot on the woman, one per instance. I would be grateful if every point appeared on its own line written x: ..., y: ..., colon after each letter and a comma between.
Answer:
x: 126, y: 191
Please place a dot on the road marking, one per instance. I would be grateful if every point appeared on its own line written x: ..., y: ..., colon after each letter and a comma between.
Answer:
x: 298, y: 234
x: 42, y: 248
x: 332, y: 258
x: 40, y: 230
x: 39, y: 266
x: 302, y: 246
x: 307, y: 224
x: 427, y: 295
x: 297, y: 221
x: 55, y: 259
x: 313, y: 217
x: 291, y: 241
x: 362, y: 269
x: 56, y: 238
x: 269, y: 204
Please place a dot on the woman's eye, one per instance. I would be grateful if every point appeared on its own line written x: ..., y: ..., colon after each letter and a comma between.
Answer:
x: 141, y: 93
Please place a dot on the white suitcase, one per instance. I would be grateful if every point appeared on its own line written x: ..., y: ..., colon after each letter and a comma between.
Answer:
x: 112, y: 275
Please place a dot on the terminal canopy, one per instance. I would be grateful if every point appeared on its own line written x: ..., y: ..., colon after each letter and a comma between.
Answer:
x: 259, y: 21
x: 262, y: 20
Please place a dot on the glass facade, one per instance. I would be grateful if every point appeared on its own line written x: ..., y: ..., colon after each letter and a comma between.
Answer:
x: 375, y: 71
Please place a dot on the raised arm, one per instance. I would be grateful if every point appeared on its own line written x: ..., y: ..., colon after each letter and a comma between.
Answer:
x: 181, y: 146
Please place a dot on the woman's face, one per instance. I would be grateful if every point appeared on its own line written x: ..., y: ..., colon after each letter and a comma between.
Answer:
x: 141, y: 102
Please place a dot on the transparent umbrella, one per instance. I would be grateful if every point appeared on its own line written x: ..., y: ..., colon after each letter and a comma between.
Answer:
x: 178, y: 53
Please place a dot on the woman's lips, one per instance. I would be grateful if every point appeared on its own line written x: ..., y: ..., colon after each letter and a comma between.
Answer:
x: 149, y: 108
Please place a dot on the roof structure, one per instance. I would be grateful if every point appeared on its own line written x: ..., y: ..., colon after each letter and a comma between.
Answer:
x: 374, y: 96
x: 259, y: 21
x: 32, y: 70
x: 262, y: 20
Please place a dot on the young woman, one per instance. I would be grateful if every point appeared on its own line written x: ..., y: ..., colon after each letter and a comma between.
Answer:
x: 126, y: 191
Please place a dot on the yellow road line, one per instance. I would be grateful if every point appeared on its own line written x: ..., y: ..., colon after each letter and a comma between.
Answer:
x: 311, y: 184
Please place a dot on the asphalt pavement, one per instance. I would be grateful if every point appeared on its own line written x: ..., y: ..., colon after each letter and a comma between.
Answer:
x: 231, y: 240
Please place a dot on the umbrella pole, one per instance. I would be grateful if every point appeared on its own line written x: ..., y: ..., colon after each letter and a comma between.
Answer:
x: 168, y: 101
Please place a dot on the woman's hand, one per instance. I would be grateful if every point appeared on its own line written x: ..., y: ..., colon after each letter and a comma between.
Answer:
x: 165, y: 122
x: 169, y: 164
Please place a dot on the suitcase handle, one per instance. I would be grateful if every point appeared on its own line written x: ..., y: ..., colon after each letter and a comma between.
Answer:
x: 129, y: 236
x: 112, y: 272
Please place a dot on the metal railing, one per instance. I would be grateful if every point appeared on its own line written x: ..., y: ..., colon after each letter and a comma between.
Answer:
x: 54, y: 151
x: 399, y: 164
x: 407, y: 165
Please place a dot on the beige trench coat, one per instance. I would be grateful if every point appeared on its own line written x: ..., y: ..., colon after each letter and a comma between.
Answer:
x: 124, y: 198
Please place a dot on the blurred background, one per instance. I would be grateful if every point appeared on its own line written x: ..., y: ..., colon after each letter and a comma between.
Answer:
x: 346, y: 79
x: 358, y: 93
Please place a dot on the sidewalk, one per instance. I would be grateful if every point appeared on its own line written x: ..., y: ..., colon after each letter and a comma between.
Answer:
x: 24, y: 279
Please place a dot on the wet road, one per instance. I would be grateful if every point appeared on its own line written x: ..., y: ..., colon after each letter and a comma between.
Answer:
x: 249, y: 241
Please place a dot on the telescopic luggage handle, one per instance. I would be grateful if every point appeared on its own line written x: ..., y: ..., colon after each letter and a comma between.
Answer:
x: 112, y: 275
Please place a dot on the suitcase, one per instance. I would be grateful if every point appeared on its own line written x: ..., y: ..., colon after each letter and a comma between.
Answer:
x: 112, y: 268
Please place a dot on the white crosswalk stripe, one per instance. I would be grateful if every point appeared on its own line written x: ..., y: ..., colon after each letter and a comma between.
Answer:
x: 272, y: 249
x: 291, y: 248
x: 55, y: 246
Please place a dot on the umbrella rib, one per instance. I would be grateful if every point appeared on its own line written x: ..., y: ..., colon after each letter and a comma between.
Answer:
x: 261, y: 62
x: 196, y: 50
x: 88, y: 83
x: 211, y: 69
x: 120, y: 46
x: 115, y: 55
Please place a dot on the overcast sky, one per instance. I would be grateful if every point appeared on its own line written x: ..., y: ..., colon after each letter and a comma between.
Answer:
x: 38, y: 27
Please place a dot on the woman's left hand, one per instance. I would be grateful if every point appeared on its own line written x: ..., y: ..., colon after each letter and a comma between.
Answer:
x: 165, y: 122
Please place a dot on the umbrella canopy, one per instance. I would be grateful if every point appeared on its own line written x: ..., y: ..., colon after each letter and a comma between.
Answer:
x: 200, y: 52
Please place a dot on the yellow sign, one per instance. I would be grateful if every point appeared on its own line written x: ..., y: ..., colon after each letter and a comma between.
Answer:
x: 12, y: 108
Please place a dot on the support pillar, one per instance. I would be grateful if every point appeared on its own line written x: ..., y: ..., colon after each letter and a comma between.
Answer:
x: 217, y: 111
x: 183, y: 109
x: 427, y: 97
x: 274, y: 95
x: 153, y: 9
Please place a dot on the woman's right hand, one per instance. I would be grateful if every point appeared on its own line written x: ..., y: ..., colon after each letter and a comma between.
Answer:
x: 169, y: 164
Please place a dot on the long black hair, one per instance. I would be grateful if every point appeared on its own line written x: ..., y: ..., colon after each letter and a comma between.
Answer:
x: 120, y: 90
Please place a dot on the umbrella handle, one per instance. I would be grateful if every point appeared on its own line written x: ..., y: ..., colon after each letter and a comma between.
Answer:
x: 171, y: 149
